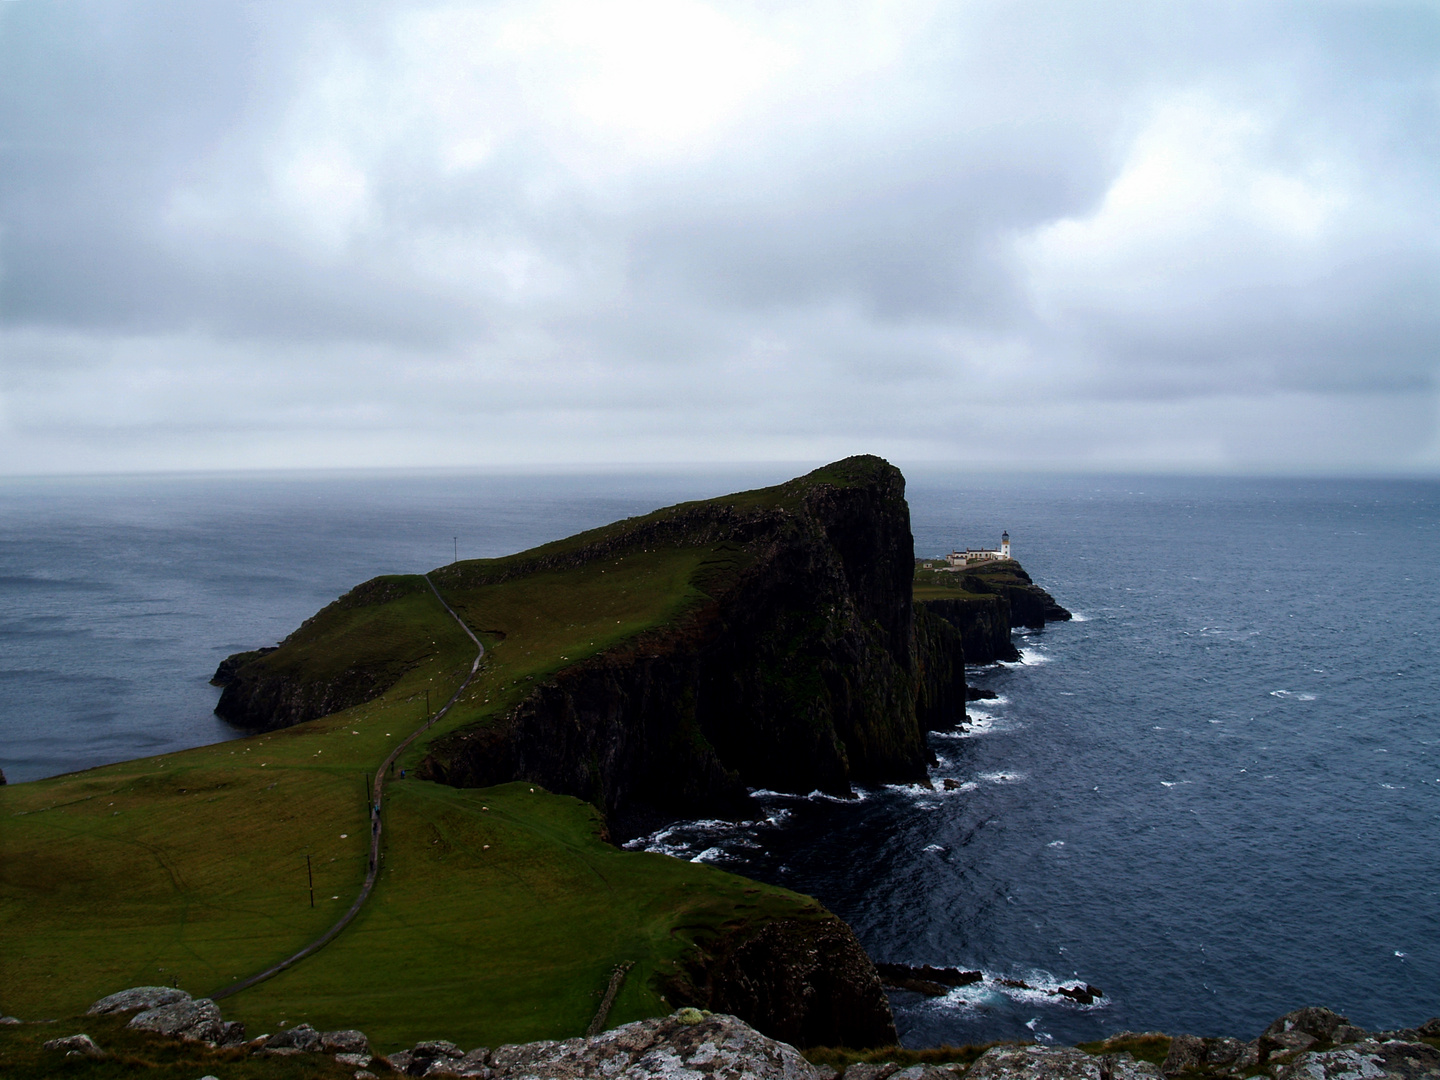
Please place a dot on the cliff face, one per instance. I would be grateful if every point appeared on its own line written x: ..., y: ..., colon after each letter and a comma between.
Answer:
x: 324, y: 666
x: 984, y: 603
x: 940, y: 653
x: 982, y: 621
x: 796, y: 672
x: 805, y: 982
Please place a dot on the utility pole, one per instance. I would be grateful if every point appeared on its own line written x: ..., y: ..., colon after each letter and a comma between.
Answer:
x: 457, y: 549
x: 427, y: 703
x: 310, y: 873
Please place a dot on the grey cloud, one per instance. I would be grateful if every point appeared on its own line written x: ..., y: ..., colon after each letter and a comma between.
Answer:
x: 826, y: 267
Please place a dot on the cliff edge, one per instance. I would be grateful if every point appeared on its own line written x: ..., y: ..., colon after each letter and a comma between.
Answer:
x: 793, y: 667
x: 984, y: 603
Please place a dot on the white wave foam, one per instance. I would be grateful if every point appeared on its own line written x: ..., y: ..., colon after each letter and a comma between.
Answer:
x: 1004, y: 777
x: 1056, y: 843
x: 710, y: 855
x: 933, y: 847
x: 978, y: 724
x: 1297, y: 695
x: 859, y: 795
x: 911, y: 789
x: 941, y: 791
x: 1079, y: 616
x: 1030, y: 656
x: 1173, y: 783
x: 1031, y: 987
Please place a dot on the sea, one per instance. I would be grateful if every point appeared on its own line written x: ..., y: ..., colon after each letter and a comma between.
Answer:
x: 1214, y: 794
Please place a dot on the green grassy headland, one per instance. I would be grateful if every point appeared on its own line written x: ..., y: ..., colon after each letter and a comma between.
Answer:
x: 499, y: 913
x: 933, y: 583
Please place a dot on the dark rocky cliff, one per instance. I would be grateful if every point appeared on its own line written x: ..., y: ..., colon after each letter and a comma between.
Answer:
x: 807, y: 982
x: 982, y: 621
x: 984, y: 604
x: 798, y: 671
x: 307, y: 675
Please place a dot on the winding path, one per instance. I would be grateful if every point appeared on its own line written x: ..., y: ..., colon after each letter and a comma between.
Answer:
x: 375, y: 827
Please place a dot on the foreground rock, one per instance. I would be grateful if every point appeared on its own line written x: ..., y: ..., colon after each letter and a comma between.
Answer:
x: 136, y: 999
x: 1368, y: 1060
x: 1313, y: 1043
x: 1058, y: 1063
x: 690, y: 1045
x: 76, y: 1046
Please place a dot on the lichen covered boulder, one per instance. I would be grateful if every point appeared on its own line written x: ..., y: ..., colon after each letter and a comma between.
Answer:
x: 1058, y: 1063
x: 137, y: 999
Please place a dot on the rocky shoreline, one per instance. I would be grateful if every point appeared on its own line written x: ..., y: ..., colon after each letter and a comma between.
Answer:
x: 692, y: 1044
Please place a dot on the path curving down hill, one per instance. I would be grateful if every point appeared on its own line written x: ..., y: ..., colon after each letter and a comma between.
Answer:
x: 375, y: 822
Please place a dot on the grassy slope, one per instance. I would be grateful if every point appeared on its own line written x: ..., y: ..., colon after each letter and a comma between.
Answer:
x: 190, y: 868
x: 946, y: 584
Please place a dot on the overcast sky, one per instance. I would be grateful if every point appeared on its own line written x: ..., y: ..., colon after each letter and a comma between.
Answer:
x: 1202, y: 237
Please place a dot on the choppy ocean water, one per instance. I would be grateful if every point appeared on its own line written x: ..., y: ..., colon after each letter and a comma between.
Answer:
x: 1215, y: 794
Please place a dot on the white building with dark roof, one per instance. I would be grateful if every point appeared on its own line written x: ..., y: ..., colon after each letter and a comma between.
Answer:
x: 960, y: 559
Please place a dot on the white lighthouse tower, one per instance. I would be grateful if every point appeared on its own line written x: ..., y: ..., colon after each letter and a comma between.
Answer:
x: 1004, y: 545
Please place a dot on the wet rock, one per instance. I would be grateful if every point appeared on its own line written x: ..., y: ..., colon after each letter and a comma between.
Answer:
x: 1084, y: 994
x: 136, y: 999
x: 1057, y: 1063
x: 195, y: 1021
x: 344, y: 1042
x: 1366, y: 1061
x: 1187, y: 1053
x: 301, y: 1037
x: 76, y: 1046
x: 1316, y: 1021
x: 898, y: 974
